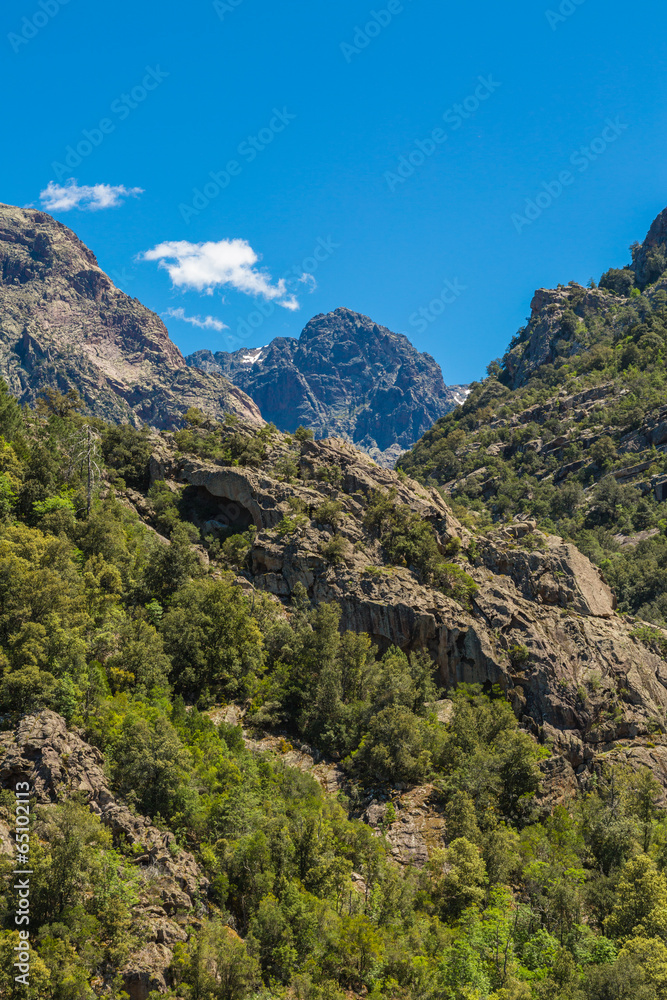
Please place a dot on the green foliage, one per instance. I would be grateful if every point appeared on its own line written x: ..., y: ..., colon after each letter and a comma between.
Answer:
x: 132, y: 639
x: 521, y: 452
x: 213, y: 640
x: 233, y: 551
x: 11, y: 417
x: 394, y: 749
x: 329, y: 512
x: 620, y: 282
x: 335, y: 550
x: 303, y: 434
x: 127, y: 453
x: 151, y: 767
x: 226, y: 443
x: 409, y: 540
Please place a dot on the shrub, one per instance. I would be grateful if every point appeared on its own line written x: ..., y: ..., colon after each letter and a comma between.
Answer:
x: 394, y: 749
x: 329, y: 512
x: 518, y: 654
x: 455, y: 582
x: 336, y: 550
x: 618, y: 281
x: 127, y: 452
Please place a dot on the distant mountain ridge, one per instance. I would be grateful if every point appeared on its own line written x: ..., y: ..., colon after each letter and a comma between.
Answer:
x: 64, y: 324
x: 345, y: 376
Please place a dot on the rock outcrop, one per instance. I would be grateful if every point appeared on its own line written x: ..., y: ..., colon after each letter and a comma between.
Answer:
x: 542, y: 340
x: 560, y: 317
x: 542, y: 624
x: 58, y: 764
x: 63, y: 324
x: 648, y: 258
x: 344, y: 377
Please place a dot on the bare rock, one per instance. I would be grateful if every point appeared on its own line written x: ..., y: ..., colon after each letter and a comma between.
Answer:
x: 418, y: 829
x: 64, y: 324
x: 346, y: 377
x: 58, y: 764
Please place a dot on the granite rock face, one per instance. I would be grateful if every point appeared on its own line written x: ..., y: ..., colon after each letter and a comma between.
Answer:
x: 58, y: 764
x: 644, y: 262
x: 63, y: 324
x: 542, y: 624
x: 344, y: 377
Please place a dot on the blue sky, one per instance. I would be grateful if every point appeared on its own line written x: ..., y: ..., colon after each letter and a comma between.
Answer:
x: 305, y: 111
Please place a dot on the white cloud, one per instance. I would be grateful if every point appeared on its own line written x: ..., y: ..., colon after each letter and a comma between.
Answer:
x: 308, y: 279
x: 64, y: 197
x: 204, y: 266
x: 206, y: 322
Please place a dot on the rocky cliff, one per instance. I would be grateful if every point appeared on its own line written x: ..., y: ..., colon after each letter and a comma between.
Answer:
x: 542, y: 623
x: 64, y: 324
x: 58, y: 764
x: 563, y: 319
x: 346, y: 377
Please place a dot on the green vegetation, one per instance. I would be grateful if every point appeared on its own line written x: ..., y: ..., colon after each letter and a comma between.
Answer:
x: 224, y: 443
x: 133, y: 640
x: 560, y: 459
x: 409, y: 540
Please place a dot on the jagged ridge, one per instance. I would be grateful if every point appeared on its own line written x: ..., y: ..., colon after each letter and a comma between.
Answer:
x: 346, y: 377
x: 64, y: 324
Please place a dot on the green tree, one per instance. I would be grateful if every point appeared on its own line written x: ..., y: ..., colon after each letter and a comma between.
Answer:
x: 457, y: 877
x: 395, y: 748
x: 214, y: 642
x: 641, y: 900
x: 151, y: 767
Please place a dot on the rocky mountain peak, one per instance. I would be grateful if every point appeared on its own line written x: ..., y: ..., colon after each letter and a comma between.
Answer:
x: 345, y: 376
x: 64, y: 323
x: 648, y: 258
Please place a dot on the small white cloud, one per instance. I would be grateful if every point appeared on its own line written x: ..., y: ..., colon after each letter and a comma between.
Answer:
x: 227, y: 263
x: 64, y: 197
x: 205, y: 322
x: 308, y: 279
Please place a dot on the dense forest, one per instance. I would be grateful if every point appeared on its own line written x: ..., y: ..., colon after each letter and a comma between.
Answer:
x: 133, y: 628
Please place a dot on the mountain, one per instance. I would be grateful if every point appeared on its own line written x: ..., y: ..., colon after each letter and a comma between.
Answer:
x: 345, y: 376
x: 291, y: 724
x: 64, y: 324
x: 571, y: 428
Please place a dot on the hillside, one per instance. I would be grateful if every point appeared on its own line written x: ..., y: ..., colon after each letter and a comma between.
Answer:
x: 63, y: 323
x: 292, y: 730
x: 570, y: 428
x: 344, y: 377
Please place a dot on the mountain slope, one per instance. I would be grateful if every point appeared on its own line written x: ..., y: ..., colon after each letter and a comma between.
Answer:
x: 571, y: 427
x: 64, y: 324
x: 345, y: 376
x: 514, y: 607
